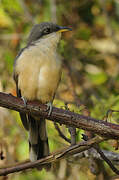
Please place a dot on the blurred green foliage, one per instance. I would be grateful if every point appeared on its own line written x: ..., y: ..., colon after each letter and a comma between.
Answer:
x: 91, y: 72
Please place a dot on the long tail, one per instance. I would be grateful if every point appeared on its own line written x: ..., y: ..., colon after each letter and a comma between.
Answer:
x: 38, y: 140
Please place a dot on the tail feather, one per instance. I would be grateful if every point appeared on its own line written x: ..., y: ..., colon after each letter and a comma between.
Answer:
x: 38, y: 140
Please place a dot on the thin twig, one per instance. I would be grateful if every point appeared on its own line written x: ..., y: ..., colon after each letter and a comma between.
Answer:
x: 95, y: 146
x: 113, y: 156
x: 106, y: 159
x: 61, y: 133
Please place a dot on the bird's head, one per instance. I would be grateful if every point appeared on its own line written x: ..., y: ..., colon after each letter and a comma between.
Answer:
x: 45, y: 29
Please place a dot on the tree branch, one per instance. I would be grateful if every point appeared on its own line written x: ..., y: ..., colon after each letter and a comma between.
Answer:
x: 112, y: 156
x: 108, y: 161
x: 82, y: 146
x: 61, y: 116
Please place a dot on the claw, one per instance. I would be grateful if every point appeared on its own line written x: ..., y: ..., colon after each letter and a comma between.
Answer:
x: 24, y: 100
x: 49, y: 108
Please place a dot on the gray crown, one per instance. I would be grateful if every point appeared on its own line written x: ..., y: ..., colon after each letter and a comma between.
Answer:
x: 42, y: 29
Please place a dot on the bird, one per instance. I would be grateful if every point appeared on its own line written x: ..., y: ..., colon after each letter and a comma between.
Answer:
x: 37, y: 73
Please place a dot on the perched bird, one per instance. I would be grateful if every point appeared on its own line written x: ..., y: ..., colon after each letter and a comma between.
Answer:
x: 37, y: 72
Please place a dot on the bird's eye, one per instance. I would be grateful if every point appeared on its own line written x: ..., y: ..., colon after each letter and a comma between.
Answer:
x: 46, y: 31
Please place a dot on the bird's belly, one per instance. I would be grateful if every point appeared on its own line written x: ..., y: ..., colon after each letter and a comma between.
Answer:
x: 48, y: 81
x: 39, y: 81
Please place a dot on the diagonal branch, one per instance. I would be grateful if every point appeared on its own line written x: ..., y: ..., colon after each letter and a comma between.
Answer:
x: 108, y: 161
x: 82, y: 146
x: 61, y: 116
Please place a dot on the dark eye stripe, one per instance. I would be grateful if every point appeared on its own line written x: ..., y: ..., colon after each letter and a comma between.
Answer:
x: 46, y: 31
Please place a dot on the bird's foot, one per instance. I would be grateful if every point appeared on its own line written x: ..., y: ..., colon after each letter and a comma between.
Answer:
x: 24, y: 100
x: 49, y: 108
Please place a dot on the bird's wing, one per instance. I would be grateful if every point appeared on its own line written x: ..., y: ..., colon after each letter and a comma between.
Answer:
x: 18, y: 91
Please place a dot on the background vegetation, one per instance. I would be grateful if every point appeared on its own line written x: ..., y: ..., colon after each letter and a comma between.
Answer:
x: 90, y: 75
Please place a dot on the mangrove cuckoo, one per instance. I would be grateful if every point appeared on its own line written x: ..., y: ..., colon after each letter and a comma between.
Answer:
x: 37, y: 72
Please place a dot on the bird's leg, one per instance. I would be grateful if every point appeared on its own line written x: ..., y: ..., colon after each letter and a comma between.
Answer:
x: 24, y: 100
x: 49, y: 108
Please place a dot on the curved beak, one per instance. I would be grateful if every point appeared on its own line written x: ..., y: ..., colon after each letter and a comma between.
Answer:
x: 64, y: 28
